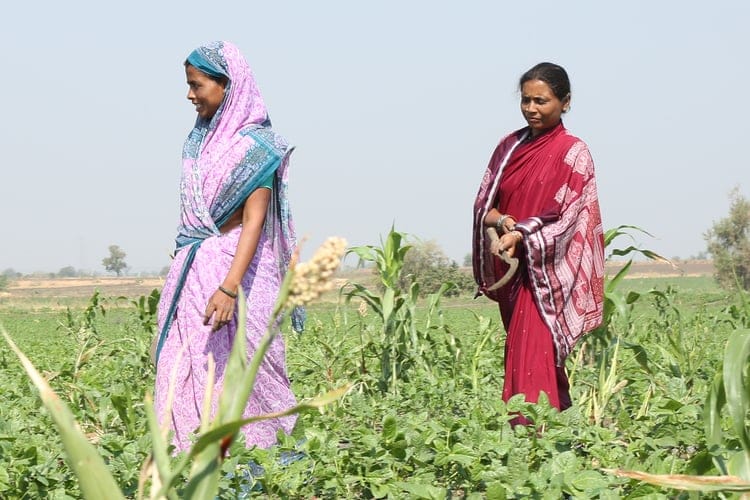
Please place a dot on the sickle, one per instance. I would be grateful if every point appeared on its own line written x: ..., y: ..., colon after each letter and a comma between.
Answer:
x: 511, y: 261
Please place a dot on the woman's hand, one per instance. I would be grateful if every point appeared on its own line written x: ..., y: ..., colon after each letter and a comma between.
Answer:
x: 221, y: 306
x: 507, y: 242
x: 503, y: 223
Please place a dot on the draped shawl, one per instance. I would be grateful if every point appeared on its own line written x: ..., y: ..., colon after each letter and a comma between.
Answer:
x: 547, y: 184
x: 240, y: 150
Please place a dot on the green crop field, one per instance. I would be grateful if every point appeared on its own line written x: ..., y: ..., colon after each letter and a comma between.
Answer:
x: 434, y: 428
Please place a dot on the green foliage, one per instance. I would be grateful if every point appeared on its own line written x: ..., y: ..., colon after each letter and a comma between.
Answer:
x: 104, y: 393
x: 618, y: 304
x: 728, y: 448
x: 603, y: 349
x: 170, y: 477
x: 115, y: 263
x: 146, y: 307
x: 4, y: 281
x: 88, y: 465
x: 399, y: 345
x: 729, y: 244
x: 731, y: 389
x: 444, y: 433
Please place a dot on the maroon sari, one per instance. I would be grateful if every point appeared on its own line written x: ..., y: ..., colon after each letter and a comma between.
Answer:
x: 547, y: 184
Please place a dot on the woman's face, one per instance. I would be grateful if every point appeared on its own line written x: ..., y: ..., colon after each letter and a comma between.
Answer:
x: 204, y: 92
x: 540, y: 106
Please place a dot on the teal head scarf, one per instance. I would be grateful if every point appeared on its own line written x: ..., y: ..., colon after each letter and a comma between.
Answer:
x: 201, y: 59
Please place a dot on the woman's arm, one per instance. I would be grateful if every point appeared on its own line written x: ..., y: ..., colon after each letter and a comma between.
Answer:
x: 221, y: 304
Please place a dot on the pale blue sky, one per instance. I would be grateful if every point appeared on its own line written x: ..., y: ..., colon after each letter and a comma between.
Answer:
x: 394, y: 106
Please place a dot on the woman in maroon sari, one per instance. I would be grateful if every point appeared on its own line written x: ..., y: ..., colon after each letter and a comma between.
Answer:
x: 539, y: 193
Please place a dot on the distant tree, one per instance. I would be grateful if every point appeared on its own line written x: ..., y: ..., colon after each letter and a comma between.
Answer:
x: 11, y: 273
x: 427, y: 264
x: 164, y: 271
x: 729, y: 244
x: 3, y: 282
x: 115, y: 263
x: 467, y: 260
x: 67, y: 272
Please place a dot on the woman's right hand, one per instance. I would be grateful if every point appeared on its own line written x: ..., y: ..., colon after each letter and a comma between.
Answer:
x: 507, y: 242
x: 219, y: 310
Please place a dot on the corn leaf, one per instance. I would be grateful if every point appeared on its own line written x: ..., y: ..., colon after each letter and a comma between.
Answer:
x: 712, y: 419
x: 735, y: 360
x: 685, y: 482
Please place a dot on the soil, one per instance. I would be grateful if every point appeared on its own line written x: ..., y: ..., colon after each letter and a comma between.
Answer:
x: 45, y: 288
x: 653, y: 269
x: 80, y: 287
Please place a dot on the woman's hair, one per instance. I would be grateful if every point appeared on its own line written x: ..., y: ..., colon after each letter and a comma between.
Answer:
x: 553, y: 75
x: 220, y: 79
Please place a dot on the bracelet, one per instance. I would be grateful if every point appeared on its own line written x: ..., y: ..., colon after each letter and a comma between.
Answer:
x: 517, y: 234
x: 499, y: 224
x: 231, y: 294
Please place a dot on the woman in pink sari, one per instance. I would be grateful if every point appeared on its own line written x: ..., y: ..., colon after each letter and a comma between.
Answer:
x: 235, y: 232
x: 539, y: 192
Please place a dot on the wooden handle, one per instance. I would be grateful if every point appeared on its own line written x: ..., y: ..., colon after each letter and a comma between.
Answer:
x: 511, y: 261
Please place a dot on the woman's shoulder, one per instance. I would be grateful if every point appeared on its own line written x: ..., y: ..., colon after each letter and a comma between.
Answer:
x: 509, y: 141
x: 266, y: 136
x: 572, y: 144
x: 572, y: 139
x: 514, y: 136
x: 576, y: 153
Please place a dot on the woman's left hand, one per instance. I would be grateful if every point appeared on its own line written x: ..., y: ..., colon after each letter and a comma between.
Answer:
x: 507, y: 242
x: 221, y: 306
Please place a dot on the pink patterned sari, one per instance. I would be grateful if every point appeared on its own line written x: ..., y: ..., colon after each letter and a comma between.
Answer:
x: 547, y: 184
x: 224, y: 160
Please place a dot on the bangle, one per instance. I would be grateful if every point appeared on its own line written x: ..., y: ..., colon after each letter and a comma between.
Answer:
x: 231, y: 294
x: 500, y: 221
x: 517, y: 234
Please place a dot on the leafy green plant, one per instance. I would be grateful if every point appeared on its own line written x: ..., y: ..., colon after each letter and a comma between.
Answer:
x: 731, y: 389
x: 147, y: 307
x: 401, y: 344
x: 731, y: 454
x: 83, y: 328
x: 444, y: 434
x: 205, y: 457
x: 618, y: 305
x: 603, y: 345
x: 680, y: 351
